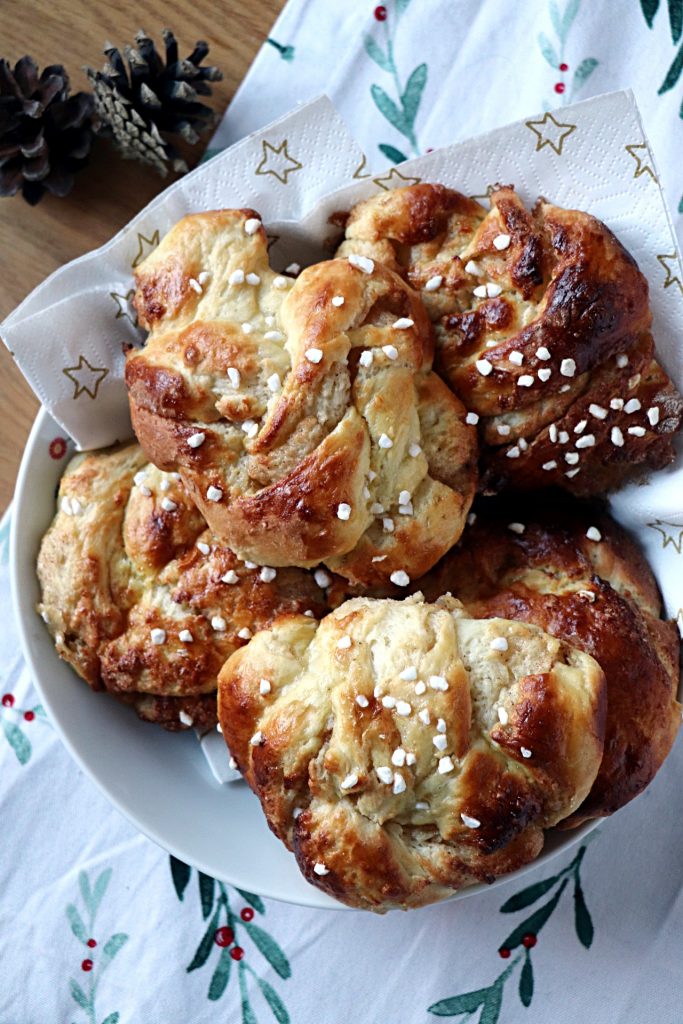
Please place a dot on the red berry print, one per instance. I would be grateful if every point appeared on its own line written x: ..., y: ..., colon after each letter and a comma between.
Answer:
x: 247, y: 914
x: 564, y: 67
x: 529, y: 941
x: 86, y: 965
x: 560, y: 87
x: 504, y: 952
x: 224, y: 936
x: 380, y: 13
x: 29, y: 715
x: 237, y: 953
x: 57, y: 448
x: 91, y: 943
x: 7, y: 700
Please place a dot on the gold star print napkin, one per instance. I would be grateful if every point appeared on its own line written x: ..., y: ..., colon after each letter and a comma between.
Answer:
x: 68, y: 336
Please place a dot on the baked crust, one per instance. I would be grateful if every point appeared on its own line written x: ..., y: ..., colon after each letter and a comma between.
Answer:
x: 567, y: 289
x: 120, y: 561
x: 600, y: 596
x: 291, y: 444
x: 311, y: 752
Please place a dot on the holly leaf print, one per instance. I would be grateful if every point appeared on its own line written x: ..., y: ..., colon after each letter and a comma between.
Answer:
x: 376, y: 53
x: 582, y: 918
x: 111, y: 947
x: 548, y: 51
x: 221, y: 975
x: 534, y: 923
x: 584, y: 71
x: 205, y: 946
x: 649, y: 8
x: 206, y: 890
x: 79, y: 995
x: 76, y: 922
x: 491, y: 1010
x: 673, y: 74
x: 676, y: 19
x: 393, y: 154
x: 255, y: 901
x: 570, y: 12
x: 468, y: 1002
x: 100, y: 889
x: 274, y: 1001
x: 412, y: 94
x: 528, y: 896
x: 270, y: 949
x: 180, y: 873
x: 388, y: 109
x: 526, y: 982
x: 17, y: 741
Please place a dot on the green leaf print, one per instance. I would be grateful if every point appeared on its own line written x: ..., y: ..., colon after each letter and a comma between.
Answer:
x: 393, y: 154
x: 534, y: 923
x: 274, y: 1001
x: 491, y: 1010
x: 377, y: 54
x: 206, y: 892
x: 570, y: 12
x: 528, y: 896
x: 526, y: 982
x: 221, y: 975
x: 270, y: 949
x: 676, y: 19
x: 180, y: 873
x: 79, y: 995
x: 111, y: 947
x: 206, y: 945
x: 113, y: 1018
x: 401, y: 6
x: 673, y: 74
x: 255, y: 901
x: 412, y: 94
x: 548, y: 51
x: 76, y: 922
x: 466, y: 1003
x: 388, y: 108
x: 584, y: 71
x: 650, y: 8
x: 17, y: 741
x: 582, y: 919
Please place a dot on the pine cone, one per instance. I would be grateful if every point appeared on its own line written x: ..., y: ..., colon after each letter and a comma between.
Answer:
x: 140, y: 106
x: 45, y: 134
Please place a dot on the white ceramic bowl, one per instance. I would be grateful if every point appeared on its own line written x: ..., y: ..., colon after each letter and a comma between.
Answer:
x: 158, y: 780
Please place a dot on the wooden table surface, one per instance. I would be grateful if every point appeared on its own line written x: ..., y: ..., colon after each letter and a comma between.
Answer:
x: 34, y: 241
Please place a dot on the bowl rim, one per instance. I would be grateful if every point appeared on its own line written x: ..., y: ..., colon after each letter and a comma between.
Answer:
x: 24, y: 613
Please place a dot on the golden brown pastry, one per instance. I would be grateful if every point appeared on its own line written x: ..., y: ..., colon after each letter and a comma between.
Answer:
x: 140, y: 598
x: 403, y: 750
x: 571, y: 570
x: 542, y: 328
x: 302, y: 417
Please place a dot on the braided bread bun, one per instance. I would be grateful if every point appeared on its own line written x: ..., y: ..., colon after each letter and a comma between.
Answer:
x: 138, y: 596
x: 597, y: 594
x: 320, y: 434
x: 402, y: 750
x: 542, y: 328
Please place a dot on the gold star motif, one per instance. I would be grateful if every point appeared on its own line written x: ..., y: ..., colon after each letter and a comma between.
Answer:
x: 124, y: 306
x: 641, y: 155
x: 673, y: 272
x: 394, y: 179
x: 550, y: 132
x: 276, y: 160
x: 672, y: 533
x: 85, y: 377
x: 490, y: 189
x: 360, y: 171
x: 145, y: 246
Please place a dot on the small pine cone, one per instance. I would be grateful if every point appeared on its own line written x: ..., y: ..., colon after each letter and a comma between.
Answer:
x: 139, y: 106
x: 45, y: 134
